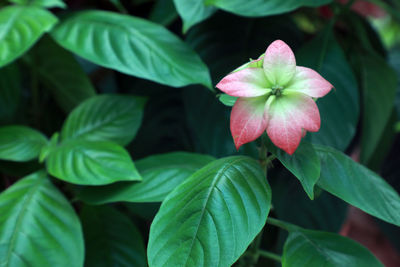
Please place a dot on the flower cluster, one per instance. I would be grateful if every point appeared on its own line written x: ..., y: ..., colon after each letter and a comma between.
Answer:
x: 275, y: 96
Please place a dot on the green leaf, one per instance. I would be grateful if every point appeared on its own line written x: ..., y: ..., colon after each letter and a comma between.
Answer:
x: 41, y: 3
x: 132, y: 46
x: 258, y: 8
x: 91, y: 163
x: 10, y: 92
x: 163, y: 12
x: 111, y: 239
x: 211, y: 218
x: 304, y: 164
x: 227, y: 100
x: 193, y: 12
x: 357, y: 185
x: 38, y: 227
x: 379, y: 84
x: 317, y: 248
x: 325, y: 56
x: 60, y: 73
x: 161, y: 174
x: 20, y: 143
x: 114, y: 118
x: 20, y: 28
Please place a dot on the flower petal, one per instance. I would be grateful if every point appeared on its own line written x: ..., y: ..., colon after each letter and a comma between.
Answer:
x: 247, y: 120
x: 309, y: 82
x: 279, y: 63
x: 249, y: 82
x: 289, y: 116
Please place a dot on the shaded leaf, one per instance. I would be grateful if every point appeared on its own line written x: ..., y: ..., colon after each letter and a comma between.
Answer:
x: 193, y: 12
x: 316, y: 248
x: 339, y: 110
x: 357, y: 185
x: 111, y: 239
x: 258, y: 8
x: 61, y: 73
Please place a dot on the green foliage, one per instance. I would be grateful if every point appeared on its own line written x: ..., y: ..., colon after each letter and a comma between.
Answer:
x: 105, y: 118
x: 91, y: 163
x: 120, y: 88
x: 133, y: 46
x: 106, y: 243
x: 325, y: 55
x: 20, y: 143
x: 304, y: 164
x: 257, y: 8
x: 59, y: 71
x: 317, y: 248
x: 217, y: 212
x: 161, y: 174
x: 357, y: 185
x: 38, y: 226
x: 20, y: 28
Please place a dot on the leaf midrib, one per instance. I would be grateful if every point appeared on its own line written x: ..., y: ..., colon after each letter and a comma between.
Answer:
x: 218, y: 175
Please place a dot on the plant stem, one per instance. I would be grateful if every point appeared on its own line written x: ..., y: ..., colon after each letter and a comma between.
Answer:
x: 119, y: 6
x: 270, y: 255
x: 281, y: 224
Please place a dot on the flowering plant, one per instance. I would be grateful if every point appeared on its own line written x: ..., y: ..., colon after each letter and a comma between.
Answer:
x: 116, y: 126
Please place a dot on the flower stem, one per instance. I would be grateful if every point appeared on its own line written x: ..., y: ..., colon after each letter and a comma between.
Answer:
x: 270, y: 255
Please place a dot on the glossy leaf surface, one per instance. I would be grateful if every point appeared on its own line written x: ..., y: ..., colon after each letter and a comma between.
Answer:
x: 114, y: 118
x: 91, y: 163
x: 133, y: 46
x: 38, y: 226
x: 20, y: 143
x: 214, y: 214
x: 161, y: 174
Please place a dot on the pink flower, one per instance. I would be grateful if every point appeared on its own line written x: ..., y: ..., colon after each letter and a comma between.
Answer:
x: 275, y: 96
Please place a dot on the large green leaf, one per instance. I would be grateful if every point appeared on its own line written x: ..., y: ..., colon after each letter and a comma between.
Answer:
x: 357, y: 185
x: 114, y: 118
x: 257, y: 8
x: 379, y: 83
x: 61, y: 74
x: 20, y: 143
x: 20, y: 28
x: 111, y: 239
x: 133, y: 46
x: 161, y: 174
x: 316, y: 249
x: 193, y: 12
x: 42, y: 3
x: 38, y: 227
x: 10, y: 92
x: 163, y: 12
x: 211, y: 218
x: 304, y: 164
x: 91, y: 163
x: 340, y: 108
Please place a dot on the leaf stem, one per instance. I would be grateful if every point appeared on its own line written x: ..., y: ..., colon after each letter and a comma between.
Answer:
x: 117, y: 4
x: 281, y: 224
x: 270, y: 255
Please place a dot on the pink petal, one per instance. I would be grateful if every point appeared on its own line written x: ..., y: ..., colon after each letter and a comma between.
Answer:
x: 309, y: 82
x: 247, y: 120
x: 289, y: 116
x: 249, y: 82
x: 279, y: 63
